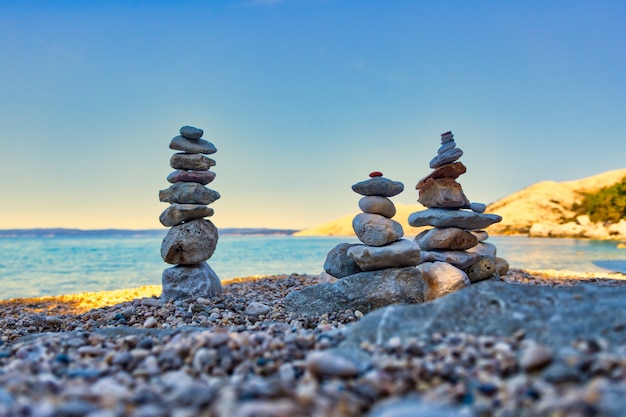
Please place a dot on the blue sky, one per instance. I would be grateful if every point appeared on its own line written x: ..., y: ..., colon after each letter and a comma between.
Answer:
x: 302, y: 98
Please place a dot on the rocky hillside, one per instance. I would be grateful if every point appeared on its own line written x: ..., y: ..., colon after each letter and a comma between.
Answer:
x: 548, y: 205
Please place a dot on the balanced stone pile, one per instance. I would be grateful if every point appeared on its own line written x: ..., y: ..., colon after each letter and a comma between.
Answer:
x: 192, y: 238
x: 454, y: 252
x: 382, y: 247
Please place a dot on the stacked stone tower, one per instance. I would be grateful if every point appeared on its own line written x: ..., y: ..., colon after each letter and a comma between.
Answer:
x: 454, y: 252
x: 192, y: 239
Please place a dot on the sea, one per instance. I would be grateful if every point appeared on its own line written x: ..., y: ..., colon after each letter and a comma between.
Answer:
x: 53, y: 265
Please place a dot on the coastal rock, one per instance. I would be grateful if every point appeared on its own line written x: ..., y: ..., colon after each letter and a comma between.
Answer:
x: 502, y: 266
x: 337, y: 362
x: 189, y: 243
x: 452, y: 171
x: 484, y: 249
x: 191, y: 161
x: 188, y: 193
x: 556, y: 317
x: 460, y: 259
x: 399, y: 254
x: 191, y: 132
x: 190, y: 281
x: 178, y: 213
x: 181, y: 143
x: 484, y: 268
x: 447, y: 238
x: 200, y: 177
x: 376, y: 230
x: 257, y: 309
x: 441, y: 278
x: 338, y: 264
x: 379, y: 186
x: 452, y: 218
x: 364, y: 291
x: 446, y: 157
x: 442, y: 193
x: 377, y: 205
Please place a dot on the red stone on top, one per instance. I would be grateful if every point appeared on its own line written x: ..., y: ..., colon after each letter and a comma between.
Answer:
x: 376, y: 174
x: 446, y: 133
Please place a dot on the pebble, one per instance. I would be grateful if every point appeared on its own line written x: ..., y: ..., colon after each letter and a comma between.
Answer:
x: 535, y: 356
x: 181, y: 143
x: 376, y: 230
x: 257, y: 309
x: 200, y: 177
x: 191, y: 132
x: 176, y: 213
x: 377, y: 205
x: 327, y: 363
x: 150, y: 323
x: 478, y: 207
x: 188, y: 193
x: 191, y: 161
x: 447, y: 157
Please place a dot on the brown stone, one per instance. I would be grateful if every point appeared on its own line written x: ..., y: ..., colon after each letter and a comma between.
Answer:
x: 448, y: 238
x: 454, y: 171
x: 442, y: 193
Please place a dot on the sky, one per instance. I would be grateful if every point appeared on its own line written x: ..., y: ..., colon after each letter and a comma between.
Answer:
x: 302, y: 98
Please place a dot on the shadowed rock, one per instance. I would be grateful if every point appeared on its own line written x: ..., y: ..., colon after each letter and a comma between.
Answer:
x: 339, y: 264
x: 376, y: 230
x: 191, y: 281
x: 399, y: 254
x: 452, y: 218
x: 189, y: 243
x: 378, y: 186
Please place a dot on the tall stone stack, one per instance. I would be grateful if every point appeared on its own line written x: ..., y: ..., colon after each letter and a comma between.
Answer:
x: 192, y: 239
x: 454, y: 252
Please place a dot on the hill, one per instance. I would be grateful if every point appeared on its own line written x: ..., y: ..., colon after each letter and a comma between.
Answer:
x: 547, y: 203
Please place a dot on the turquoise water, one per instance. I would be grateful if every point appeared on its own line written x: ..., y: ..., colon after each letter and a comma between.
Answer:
x: 60, y: 265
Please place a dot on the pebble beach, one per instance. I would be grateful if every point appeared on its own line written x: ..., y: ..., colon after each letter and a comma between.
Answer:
x: 123, y: 353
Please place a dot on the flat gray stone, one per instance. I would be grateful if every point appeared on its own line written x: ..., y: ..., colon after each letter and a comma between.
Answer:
x: 379, y: 186
x: 191, y: 161
x: 478, y: 207
x: 441, y: 278
x: 445, y: 147
x: 447, y: 157
x: 446, y: 238
x: 189, y: 243
x: 398, y: 254
x: 554, y: 316
x: 191, y: 132
x: 190, y: 281
x: 200, y: 177
x: 181, y: 143
x: 460, y: 259
x: 188, y: 193
x: 339, y: 264
x: 374, y: 204
x: 178, y: 213
x: 452, y: 218
x: 364, y: 291
x: 484, y: 249
x: 376, y: 230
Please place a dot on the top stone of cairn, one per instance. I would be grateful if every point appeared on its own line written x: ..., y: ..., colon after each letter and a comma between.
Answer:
x: 191, y: 132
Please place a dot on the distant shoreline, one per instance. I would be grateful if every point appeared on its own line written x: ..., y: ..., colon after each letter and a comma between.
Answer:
x: 62, y: 232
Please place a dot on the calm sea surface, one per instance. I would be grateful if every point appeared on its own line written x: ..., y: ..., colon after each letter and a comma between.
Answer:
x: 61, y: 265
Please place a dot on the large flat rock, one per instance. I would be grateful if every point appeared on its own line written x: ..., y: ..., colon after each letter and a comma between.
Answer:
x: 554, y: 316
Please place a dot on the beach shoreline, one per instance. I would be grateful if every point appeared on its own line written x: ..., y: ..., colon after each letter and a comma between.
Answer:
x: 124, y: 353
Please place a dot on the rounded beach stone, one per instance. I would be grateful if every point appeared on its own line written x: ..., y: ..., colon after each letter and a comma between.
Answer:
x: 447, y: 136
x: 459, y: 258
x: 188, y: 193
x: 380, y: 186
x: 178, y: 213
x: 447, y: 238
x: 376, y: 174
x: 446, y: 147
x: 191, y: 161
x: 338, y: 264
x: 200, y: 177
x: 483, y: 269
x: 442, y: 193
x: 376, y: 230
x: 189, y: 243
x: 478, y: 207
x: 446, y: 157
x: 398, y: 254
x: 481, y: 235
x: 441, y: 278
x: 191, y: 132
x: 181, y: 143
x: 190, y: 281
x: 502, y: 266
x: 484, y: 249
x: 374, y: 204
x: 257, y: 309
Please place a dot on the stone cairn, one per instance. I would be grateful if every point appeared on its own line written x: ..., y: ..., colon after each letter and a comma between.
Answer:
x: 191, y: 239
x: 454, y: 252
x: 381, y: 235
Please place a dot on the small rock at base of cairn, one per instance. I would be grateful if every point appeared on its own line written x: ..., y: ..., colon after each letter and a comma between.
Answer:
x: 192, y: 239
x: 453, y: 253
x: 382, y: 246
